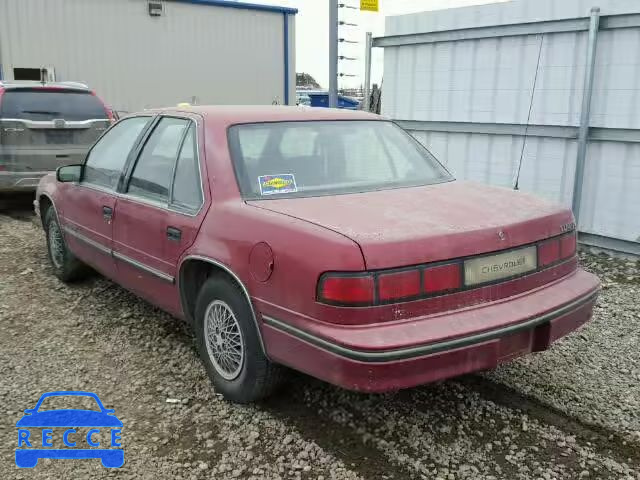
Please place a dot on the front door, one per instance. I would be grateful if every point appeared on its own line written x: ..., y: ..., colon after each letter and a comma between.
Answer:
x: 160, y: 210
x: 89, y: 207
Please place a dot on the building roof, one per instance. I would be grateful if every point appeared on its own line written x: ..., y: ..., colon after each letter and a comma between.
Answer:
x: 242, y: 5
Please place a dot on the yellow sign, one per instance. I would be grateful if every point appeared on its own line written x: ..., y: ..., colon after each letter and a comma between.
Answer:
x: 369, y: 5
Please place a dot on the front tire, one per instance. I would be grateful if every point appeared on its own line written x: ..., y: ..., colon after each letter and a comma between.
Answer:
x: 229, y: 345
x: 65, y: 264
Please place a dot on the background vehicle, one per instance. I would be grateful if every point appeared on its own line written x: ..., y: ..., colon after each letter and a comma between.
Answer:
x: 326, y: 240
x: 44, y: 126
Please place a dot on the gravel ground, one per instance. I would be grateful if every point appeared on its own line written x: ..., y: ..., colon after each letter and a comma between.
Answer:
x: 593, y: 375
x: 96, y: 336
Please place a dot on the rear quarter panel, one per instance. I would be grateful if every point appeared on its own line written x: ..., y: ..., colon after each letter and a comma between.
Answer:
x: 301, y: 252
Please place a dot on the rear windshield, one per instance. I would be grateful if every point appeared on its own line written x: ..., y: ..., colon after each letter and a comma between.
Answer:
x: 302, y: 159
x: 40, y: 104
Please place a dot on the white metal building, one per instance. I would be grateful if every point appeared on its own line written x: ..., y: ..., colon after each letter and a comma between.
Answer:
x: 149, y: 53
x: 486, y: 86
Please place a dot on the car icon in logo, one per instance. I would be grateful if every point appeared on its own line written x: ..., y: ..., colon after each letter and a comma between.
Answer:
x: 36, y: 433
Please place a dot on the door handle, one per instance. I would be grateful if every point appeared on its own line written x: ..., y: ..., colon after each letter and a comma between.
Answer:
x: 174, y: 234
x: 107, y: 213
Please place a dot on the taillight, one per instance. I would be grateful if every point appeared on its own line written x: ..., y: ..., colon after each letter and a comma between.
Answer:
x: 108, y: 111
x: 568, y: 245
x: 368, y: 289
x: 557, y: 249
x: 399, y: 285
x: 548, y: 252
x: 442, y: 278
x: 347, y: 290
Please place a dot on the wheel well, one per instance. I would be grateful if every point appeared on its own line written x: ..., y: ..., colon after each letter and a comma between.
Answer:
x: 193, y: 274
x: 44, y: 204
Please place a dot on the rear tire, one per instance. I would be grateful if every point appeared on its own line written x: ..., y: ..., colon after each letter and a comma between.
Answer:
x: 64, y: 263
x: 229, y: 344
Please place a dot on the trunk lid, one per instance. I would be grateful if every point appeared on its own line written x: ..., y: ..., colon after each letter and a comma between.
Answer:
x: 411, y: 226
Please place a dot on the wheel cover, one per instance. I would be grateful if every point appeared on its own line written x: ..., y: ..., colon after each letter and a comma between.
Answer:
x: 223, y: 338
x: 56, y: 245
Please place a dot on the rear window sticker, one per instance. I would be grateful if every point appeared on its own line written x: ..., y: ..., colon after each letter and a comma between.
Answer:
x: 272, y: 184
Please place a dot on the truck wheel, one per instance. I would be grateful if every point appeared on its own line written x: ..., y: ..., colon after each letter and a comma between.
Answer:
x: 229, y: 345
x: 65, y: 265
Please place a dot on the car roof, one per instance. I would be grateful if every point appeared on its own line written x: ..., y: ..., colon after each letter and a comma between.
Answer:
x: 235, y: 114
x: 11, y: 84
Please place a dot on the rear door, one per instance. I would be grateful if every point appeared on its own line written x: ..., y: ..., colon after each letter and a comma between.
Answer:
x: 160, y: 210
x: 42, y: 128
x: 89, y: 207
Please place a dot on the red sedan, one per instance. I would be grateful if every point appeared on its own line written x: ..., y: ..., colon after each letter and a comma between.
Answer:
x: 327, y: 241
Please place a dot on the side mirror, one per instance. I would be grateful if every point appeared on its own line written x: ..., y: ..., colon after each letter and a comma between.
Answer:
x: 69, y: 173
x: 29, y: 411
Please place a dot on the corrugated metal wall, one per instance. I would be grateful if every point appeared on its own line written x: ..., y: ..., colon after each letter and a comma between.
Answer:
x: 215, y: 54
x: 489, y: 82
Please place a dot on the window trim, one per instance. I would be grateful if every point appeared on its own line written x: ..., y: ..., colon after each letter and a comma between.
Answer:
x: 127, y: 184
x: 132, y: 162
x: 141, y: 135
x: 172, y: 202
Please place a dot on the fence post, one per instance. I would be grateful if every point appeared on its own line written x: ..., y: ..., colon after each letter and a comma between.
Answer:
x: 585, y: 117
x: 367, y: 71
x: 333, y: 53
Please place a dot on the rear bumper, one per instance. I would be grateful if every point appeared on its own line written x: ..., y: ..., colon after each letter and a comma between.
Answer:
x: 20, y: 181
x: 22, y: 168
x: 372, y: 359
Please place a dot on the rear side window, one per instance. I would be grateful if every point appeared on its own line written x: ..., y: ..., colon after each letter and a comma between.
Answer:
x: 153, y: 172
x: 42, y: 105
x: 107, y: 158
x: 187, y: 191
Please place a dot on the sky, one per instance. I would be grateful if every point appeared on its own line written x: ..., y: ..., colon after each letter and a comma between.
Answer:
x: 312, y: 34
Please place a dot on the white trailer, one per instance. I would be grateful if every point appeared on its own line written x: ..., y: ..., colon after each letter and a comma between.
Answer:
x: 139, y: 54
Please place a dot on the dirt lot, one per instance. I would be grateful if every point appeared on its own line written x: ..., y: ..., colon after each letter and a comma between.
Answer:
x: 569, y: 413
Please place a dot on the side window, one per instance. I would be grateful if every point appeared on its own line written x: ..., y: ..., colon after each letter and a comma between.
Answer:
x: 107, y: 158
x: 187, y: 187
x: 151, y: 176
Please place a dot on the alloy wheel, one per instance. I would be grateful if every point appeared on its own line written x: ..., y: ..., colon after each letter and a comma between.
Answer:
x: 56, y: 245
x: 223, y: 338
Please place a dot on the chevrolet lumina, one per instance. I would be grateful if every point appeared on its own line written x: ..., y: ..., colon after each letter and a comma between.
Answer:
x: 327, y: 241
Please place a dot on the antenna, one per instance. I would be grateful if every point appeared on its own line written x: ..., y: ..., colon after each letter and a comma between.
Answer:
x: 516, y: 185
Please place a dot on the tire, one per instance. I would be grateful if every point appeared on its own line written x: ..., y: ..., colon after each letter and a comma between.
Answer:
x: 64, y: 263
x: 245, y: 375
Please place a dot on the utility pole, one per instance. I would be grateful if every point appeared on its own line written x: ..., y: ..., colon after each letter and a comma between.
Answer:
x: 333, y: 53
